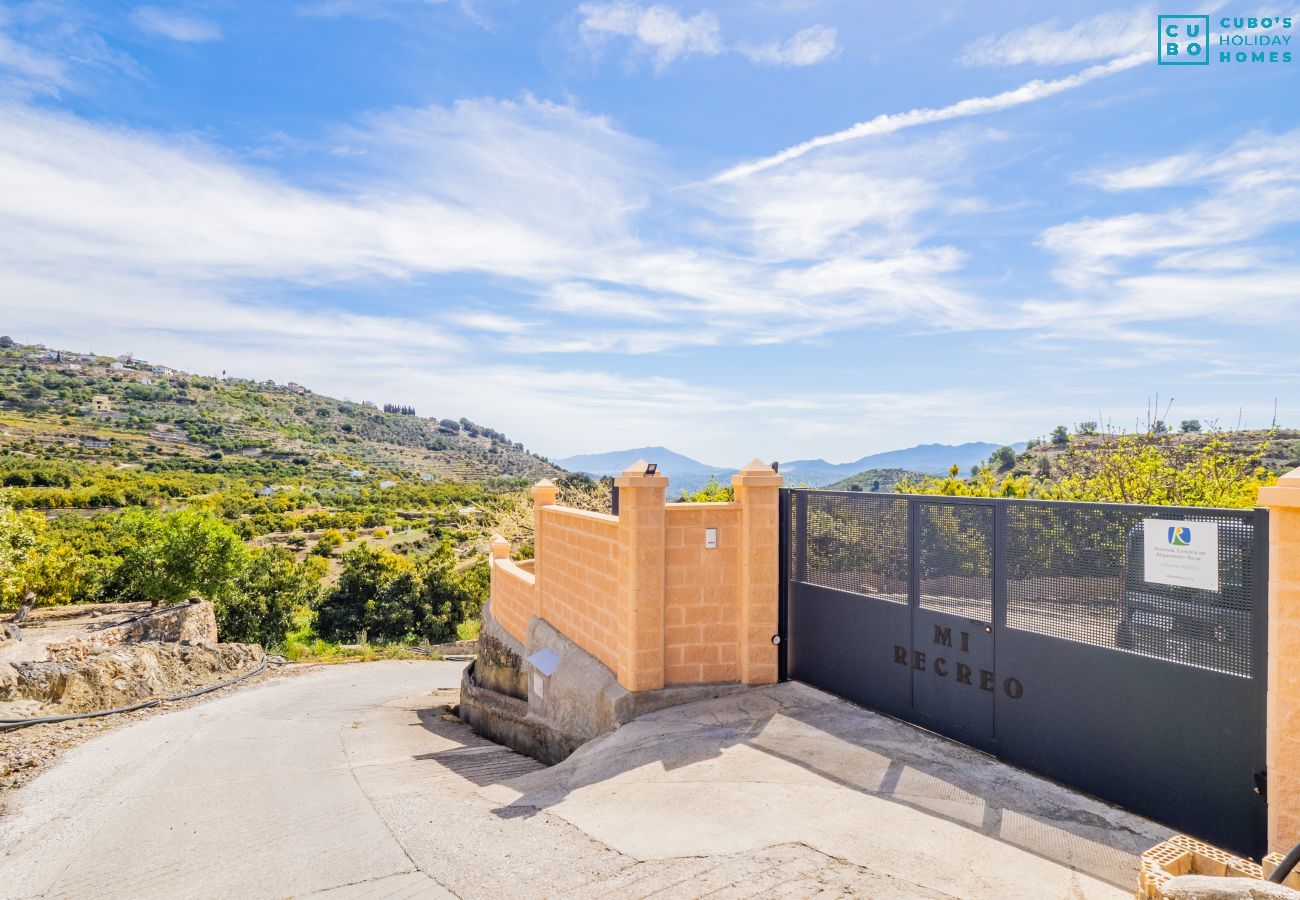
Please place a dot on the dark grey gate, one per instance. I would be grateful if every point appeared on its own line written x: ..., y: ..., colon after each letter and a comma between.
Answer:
x: 1028, y: 629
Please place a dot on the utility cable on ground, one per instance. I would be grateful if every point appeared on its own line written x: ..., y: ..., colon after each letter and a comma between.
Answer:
x: 13, y: 724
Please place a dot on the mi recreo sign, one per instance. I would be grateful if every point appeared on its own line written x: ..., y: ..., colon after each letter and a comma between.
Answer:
x: 1181, y: 554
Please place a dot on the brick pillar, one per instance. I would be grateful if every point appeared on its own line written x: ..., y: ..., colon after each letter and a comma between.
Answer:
x: 641, y: 578
x: 1283, y: 502
x: 757, y: 492
x: 545, y: 493
x: 500, y: 547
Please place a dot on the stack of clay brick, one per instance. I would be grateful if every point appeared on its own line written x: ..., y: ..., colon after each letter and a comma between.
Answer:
x: 1182, y: 855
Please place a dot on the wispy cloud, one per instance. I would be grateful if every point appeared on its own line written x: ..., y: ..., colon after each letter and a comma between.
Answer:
x: 54, y: 48
x: 658, y: 31
x: 1146, y: 277
x: 804, y: 48
x: 1108, y: 35
x: 887, y: 123
x: 665, y: 34
x: 178, y: 25
x: 1192, y: 233
x: 31, y: 65
x: 542, y: 195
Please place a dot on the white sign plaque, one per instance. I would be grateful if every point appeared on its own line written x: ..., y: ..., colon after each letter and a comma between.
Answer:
x: 1182, y: 554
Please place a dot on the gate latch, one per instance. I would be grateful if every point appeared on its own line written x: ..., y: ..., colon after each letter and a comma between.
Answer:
x: 1261, y: 782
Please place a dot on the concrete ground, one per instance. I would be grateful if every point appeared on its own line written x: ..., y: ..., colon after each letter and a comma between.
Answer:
x: 349, y: 781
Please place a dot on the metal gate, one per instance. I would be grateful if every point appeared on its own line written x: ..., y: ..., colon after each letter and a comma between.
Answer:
x: 1031, y: 630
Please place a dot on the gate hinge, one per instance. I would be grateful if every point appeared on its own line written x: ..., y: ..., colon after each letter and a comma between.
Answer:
x: 1261, y: 782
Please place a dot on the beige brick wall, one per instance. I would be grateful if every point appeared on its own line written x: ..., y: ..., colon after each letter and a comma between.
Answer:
x: 513, y: 597
x: 701, y: 594
x: 643, y: 593
x: 581, y: 581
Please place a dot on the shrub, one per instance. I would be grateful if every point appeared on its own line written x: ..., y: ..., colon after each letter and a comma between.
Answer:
x: 169, y: 557
x: 712, y: 492
x: 329, y: 541
x: 1002, y: 459
x: 386, y: 597
x: 270, y: 589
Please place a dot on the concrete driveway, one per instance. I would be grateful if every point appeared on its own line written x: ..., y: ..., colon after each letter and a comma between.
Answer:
x: 348, y: 781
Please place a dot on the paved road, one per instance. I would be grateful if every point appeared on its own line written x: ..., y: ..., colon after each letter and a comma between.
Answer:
x: 347, y: 782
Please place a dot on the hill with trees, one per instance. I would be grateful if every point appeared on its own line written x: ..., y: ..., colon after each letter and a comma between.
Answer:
x: 61, y: 405
x: 305, y: 519
x: 874, y: 480
x: 1191, y: 467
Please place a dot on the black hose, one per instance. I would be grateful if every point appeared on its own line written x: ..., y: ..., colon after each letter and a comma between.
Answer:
x: 144, y: 615
x: 14, y: 724
x: 1285, y: 866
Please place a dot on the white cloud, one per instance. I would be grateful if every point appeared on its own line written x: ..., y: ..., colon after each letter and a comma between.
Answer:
x: 31, y: 65
x: 804, y: 48
x: 1204, y: 256
x: 543, y: 196
x: 887, y: 123
x: 53, y: 48
x: 1158, y: 173
x: 666, y: 35
x: 658, y: 31
x: 384, y: 9
x: 175, y: 24
x: 1047, y: 43
x: 1205, y: 217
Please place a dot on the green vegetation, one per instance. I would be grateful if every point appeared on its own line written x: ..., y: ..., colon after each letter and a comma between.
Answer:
x: 713, y: 491
x: 1156, y: 468
x: 876, y: 481
x: 386, y: 597
x: 287, y: 509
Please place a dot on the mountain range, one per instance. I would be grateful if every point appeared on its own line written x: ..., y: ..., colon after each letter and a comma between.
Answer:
x: 689, y: 474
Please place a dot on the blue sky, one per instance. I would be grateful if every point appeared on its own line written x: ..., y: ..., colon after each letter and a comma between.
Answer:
x: 786, y: 229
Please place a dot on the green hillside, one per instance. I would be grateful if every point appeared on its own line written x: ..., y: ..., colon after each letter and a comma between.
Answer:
x: 874, y: 480
x: 307, y: 520
x: 125, y: 413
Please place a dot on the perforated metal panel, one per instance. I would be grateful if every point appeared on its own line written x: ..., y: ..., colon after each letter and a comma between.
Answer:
x: 856, y: 543
x: 955, y: 559
x: 1076, y: 571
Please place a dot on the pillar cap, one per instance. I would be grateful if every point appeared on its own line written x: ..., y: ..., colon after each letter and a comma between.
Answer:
x: 756, y: 473
x: 1285, y: 493
x: 545, y: 492
x: 500, y: 547
x: 637, y: 468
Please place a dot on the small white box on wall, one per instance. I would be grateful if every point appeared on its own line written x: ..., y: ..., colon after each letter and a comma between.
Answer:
x: 711, y: 538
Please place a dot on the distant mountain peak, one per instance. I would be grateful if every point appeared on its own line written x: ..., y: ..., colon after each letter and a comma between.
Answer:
x: 688, y: 473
